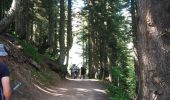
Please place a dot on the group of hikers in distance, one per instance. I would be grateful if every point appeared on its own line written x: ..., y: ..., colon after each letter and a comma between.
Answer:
x: 77, y: 72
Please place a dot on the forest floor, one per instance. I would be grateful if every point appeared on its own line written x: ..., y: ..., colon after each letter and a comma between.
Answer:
x: 74, y: 89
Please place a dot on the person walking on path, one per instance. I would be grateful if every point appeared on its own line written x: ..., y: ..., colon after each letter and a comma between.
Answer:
x: 74, y: 71
x: 83, y: 72
x: 5, y: 90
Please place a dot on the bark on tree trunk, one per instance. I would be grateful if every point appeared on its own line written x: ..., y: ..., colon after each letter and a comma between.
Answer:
x: 5, y: 22
x: 51, y: 27
x: 69, y: 30
x: 62, y: 33
x: 153, y: 49
x: 0, y: 9
x: 20, y: 20
x: 90, y: 44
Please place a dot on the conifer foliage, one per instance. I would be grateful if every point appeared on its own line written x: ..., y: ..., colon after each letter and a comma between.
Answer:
x: 106, y: 38
x: 42, y: 23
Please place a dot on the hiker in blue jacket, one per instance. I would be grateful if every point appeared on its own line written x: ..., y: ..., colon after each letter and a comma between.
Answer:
x: 5, y: 90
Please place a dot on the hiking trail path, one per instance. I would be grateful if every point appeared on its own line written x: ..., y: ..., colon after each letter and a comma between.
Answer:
x: 74, y: 89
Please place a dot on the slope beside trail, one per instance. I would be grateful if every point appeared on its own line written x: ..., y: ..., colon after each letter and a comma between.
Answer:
x: 74, y: 89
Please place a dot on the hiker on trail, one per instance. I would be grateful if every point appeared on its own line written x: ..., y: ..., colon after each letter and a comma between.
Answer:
x: 83, y: 72
x: 5, y: 90
x: 74, y: 71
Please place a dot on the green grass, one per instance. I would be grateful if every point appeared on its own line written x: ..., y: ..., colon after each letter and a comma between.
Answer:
x: 30, y: 51
x: 44, y: 75
x: 47, y: 77
x: 117, y: 92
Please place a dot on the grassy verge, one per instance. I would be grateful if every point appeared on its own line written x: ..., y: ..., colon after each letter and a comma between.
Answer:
x: 47, y: 77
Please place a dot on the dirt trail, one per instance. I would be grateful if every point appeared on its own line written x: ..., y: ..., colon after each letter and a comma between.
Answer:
x: 77, y: 89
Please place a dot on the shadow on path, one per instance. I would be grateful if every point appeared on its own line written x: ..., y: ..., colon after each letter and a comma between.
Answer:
x: 74, y: 89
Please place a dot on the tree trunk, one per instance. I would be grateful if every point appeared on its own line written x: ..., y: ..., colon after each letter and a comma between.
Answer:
x: 20, y: 20
x: 1, y: 9
x: 55, y: 42
x: 5, y: 22
x: 153, y: 49
x: 69, y: 30
x: 102, y: 49
x: 90, y: 42
x: 51, y: 27
x: 62, y: 33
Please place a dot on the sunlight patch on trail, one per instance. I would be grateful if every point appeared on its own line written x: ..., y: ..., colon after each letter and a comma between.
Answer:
x: 81, y: 89
x: 99, y: 90
x: 64, y: 89
x: 48, y: 92
x: 51, y: 90
x: 93, y: 80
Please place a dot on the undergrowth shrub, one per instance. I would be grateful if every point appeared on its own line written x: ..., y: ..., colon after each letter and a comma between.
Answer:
x: 124, y: 82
